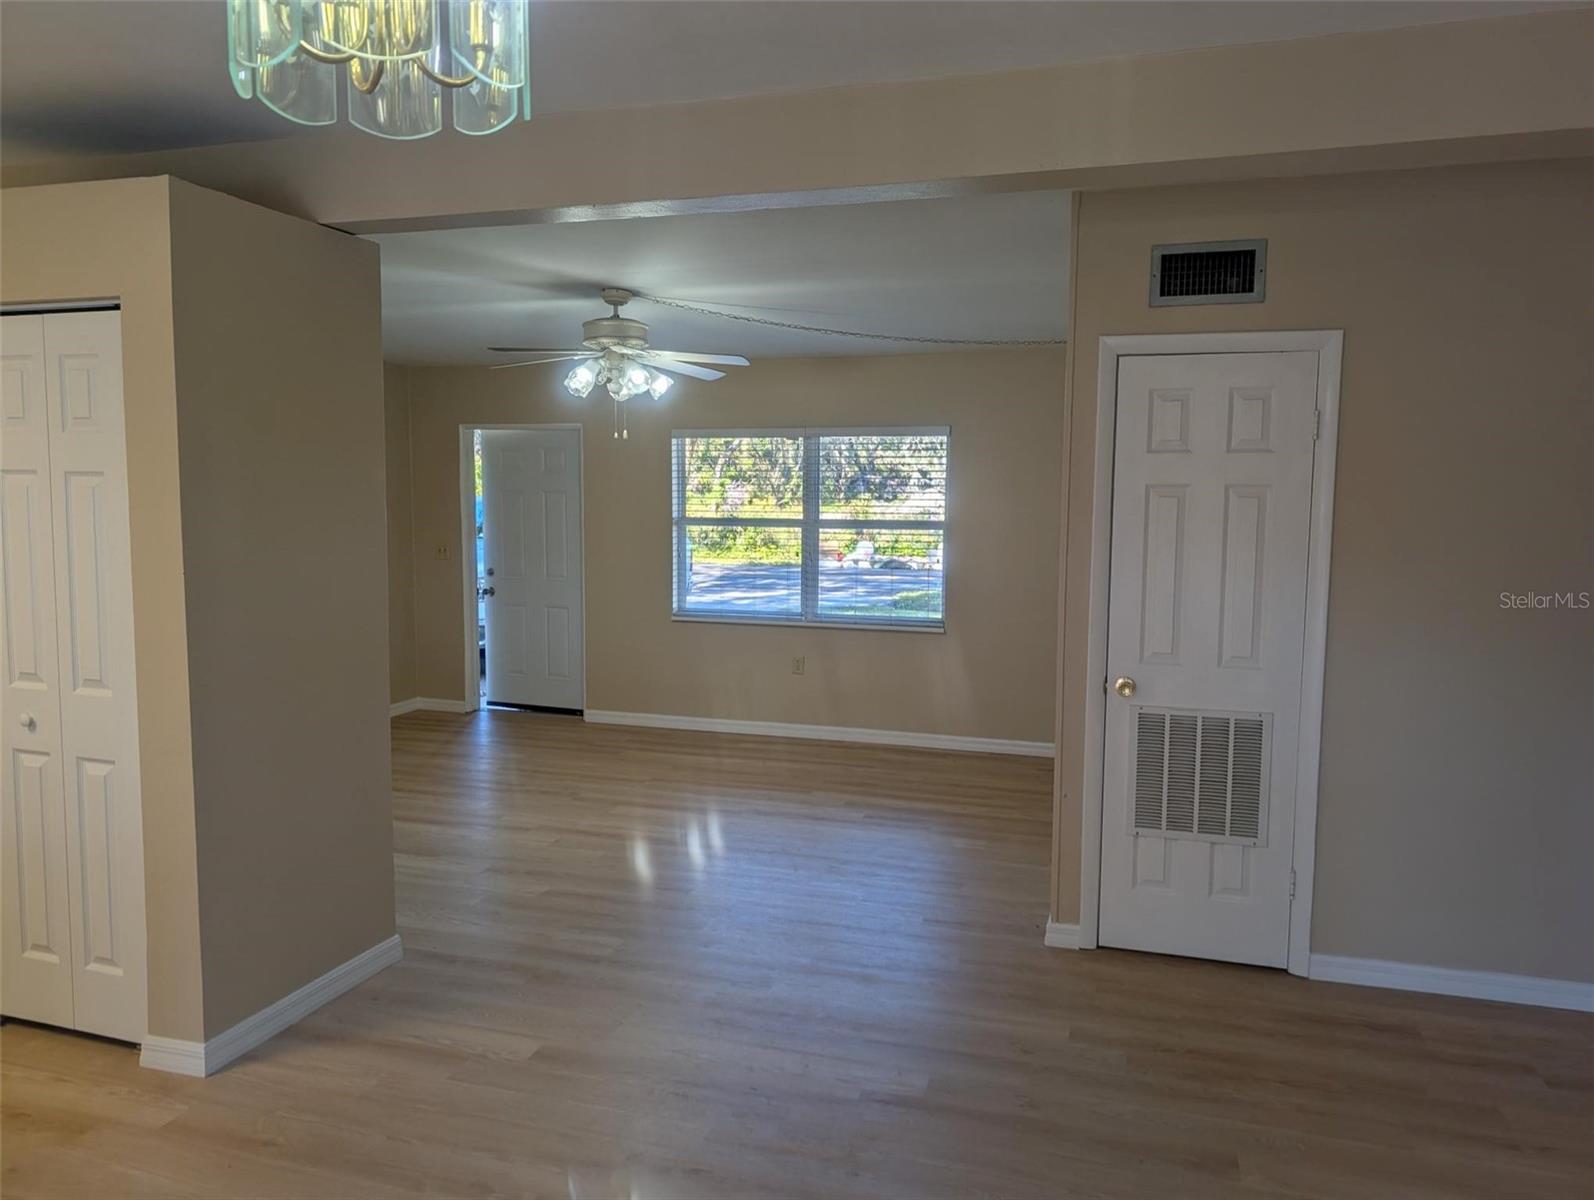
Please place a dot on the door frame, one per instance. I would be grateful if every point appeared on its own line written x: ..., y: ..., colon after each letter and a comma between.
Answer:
x: 1329, y: 345
x: 467, y: 538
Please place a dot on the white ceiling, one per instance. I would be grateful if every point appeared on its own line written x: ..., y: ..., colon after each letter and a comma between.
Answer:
x: 976, y: 267
x: 91, y: 76
x: 84, y: 76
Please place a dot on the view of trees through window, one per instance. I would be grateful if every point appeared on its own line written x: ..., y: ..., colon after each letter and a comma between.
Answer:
x: 836, y: 526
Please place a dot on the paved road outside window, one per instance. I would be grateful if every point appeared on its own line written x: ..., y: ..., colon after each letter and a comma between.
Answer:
x: 774, y: 589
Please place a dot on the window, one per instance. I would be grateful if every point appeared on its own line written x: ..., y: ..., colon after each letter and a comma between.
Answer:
x: 842, y: 527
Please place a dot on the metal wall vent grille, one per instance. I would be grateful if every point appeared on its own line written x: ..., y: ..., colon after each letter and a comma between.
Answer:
x: 1209, y: 273
x: 1201, y: 774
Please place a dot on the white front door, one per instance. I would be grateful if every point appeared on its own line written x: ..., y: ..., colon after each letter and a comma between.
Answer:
x: 72, y: 879
x: 531, y: 507
x: 1212, y: 490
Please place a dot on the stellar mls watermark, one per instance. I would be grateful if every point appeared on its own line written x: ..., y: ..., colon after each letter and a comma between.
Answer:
x: 1576, y: 600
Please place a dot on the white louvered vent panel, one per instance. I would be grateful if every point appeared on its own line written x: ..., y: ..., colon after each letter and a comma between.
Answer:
x: 1201, y: 774
x: 1150, y: 738
x: 1246, y: 787
x: 1181, y: 773
x: 1212, y: 818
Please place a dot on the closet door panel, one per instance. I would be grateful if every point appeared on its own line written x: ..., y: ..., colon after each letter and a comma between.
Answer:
x: 35, y: 950
x: 94, y: 631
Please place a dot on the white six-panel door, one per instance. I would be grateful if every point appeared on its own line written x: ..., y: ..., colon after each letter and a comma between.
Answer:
x: 531, y: 501
x: 72, y: 867
x: 36, y: 974
x: 1211, y: 503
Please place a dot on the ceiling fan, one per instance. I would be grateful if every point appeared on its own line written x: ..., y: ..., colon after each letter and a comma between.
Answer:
x: 615, y: 353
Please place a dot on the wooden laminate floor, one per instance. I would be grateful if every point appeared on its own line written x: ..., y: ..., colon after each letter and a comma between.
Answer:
x: 651, y: 964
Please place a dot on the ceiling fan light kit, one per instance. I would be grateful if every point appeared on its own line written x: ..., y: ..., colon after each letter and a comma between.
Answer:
x: 616, y: 354
x: 622, y: 378
x: 395, y: 59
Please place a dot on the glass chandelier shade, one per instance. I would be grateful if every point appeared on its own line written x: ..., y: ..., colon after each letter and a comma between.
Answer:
x: 393, y: 60
x: 623, y: 378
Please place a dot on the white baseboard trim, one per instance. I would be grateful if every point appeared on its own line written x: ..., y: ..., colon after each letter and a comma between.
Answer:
x: 1062, y: 937
x: 206, y: 1058
x: 824, y: 733
x: 173, y: 1056
x: 1446, y: 981
x: 425, y: 704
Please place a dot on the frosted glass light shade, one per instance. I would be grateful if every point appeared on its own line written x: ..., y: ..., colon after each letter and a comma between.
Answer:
x: 394, y: 61
x: 582, y: 378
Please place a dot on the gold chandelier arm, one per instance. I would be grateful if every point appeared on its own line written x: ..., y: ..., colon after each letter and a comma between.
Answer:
x: 480, y: 52
x: 366, y: 86
x: 324, y: 56
x: 448, y: 81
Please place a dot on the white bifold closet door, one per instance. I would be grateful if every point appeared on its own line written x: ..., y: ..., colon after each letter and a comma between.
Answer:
x: 72, y: 860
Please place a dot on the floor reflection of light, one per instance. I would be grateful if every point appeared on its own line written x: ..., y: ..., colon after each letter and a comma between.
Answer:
x: 641, y: 859
x: 716, y: 839
x: 694, y: 844
x: 621, y: 1184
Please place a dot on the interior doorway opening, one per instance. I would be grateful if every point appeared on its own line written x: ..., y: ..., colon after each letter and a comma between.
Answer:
x: 523, y: 567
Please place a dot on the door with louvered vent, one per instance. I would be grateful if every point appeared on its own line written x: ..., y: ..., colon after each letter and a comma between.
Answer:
x: 1212, y: 492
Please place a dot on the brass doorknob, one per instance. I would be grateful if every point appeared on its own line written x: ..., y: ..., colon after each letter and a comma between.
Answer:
x: 1124, y: 686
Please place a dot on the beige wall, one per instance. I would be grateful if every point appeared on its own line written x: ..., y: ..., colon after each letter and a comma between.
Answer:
x: 99, y: 241
x: 252, y: 377
x: 280, y: 406
x: 400, y: 538
x: 1445, y: 93
x: 990, y: 675
x: 1455, y: 807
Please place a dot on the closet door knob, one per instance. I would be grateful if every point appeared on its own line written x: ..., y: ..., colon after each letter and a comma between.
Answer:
x: 27, y: 721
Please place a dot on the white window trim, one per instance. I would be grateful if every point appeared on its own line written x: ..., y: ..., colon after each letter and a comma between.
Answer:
x: 810, y: 523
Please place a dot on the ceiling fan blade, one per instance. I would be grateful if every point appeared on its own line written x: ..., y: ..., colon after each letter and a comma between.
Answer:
x: 726, y: 360
x: 532, y: 362
x: 668, y: 365
x: 537, y: 349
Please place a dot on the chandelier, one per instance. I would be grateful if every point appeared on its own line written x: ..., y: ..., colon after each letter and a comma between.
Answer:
x: 393, y: 60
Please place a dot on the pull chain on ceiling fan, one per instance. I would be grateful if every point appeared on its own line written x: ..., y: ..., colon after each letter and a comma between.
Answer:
x: 615, y: 352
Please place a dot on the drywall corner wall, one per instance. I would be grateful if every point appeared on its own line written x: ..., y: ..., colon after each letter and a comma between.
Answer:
x: 1455, y: 808
x: 112, y: 241
x: 277, y: 327
x: 990, y: 675
x: 400, y: 537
